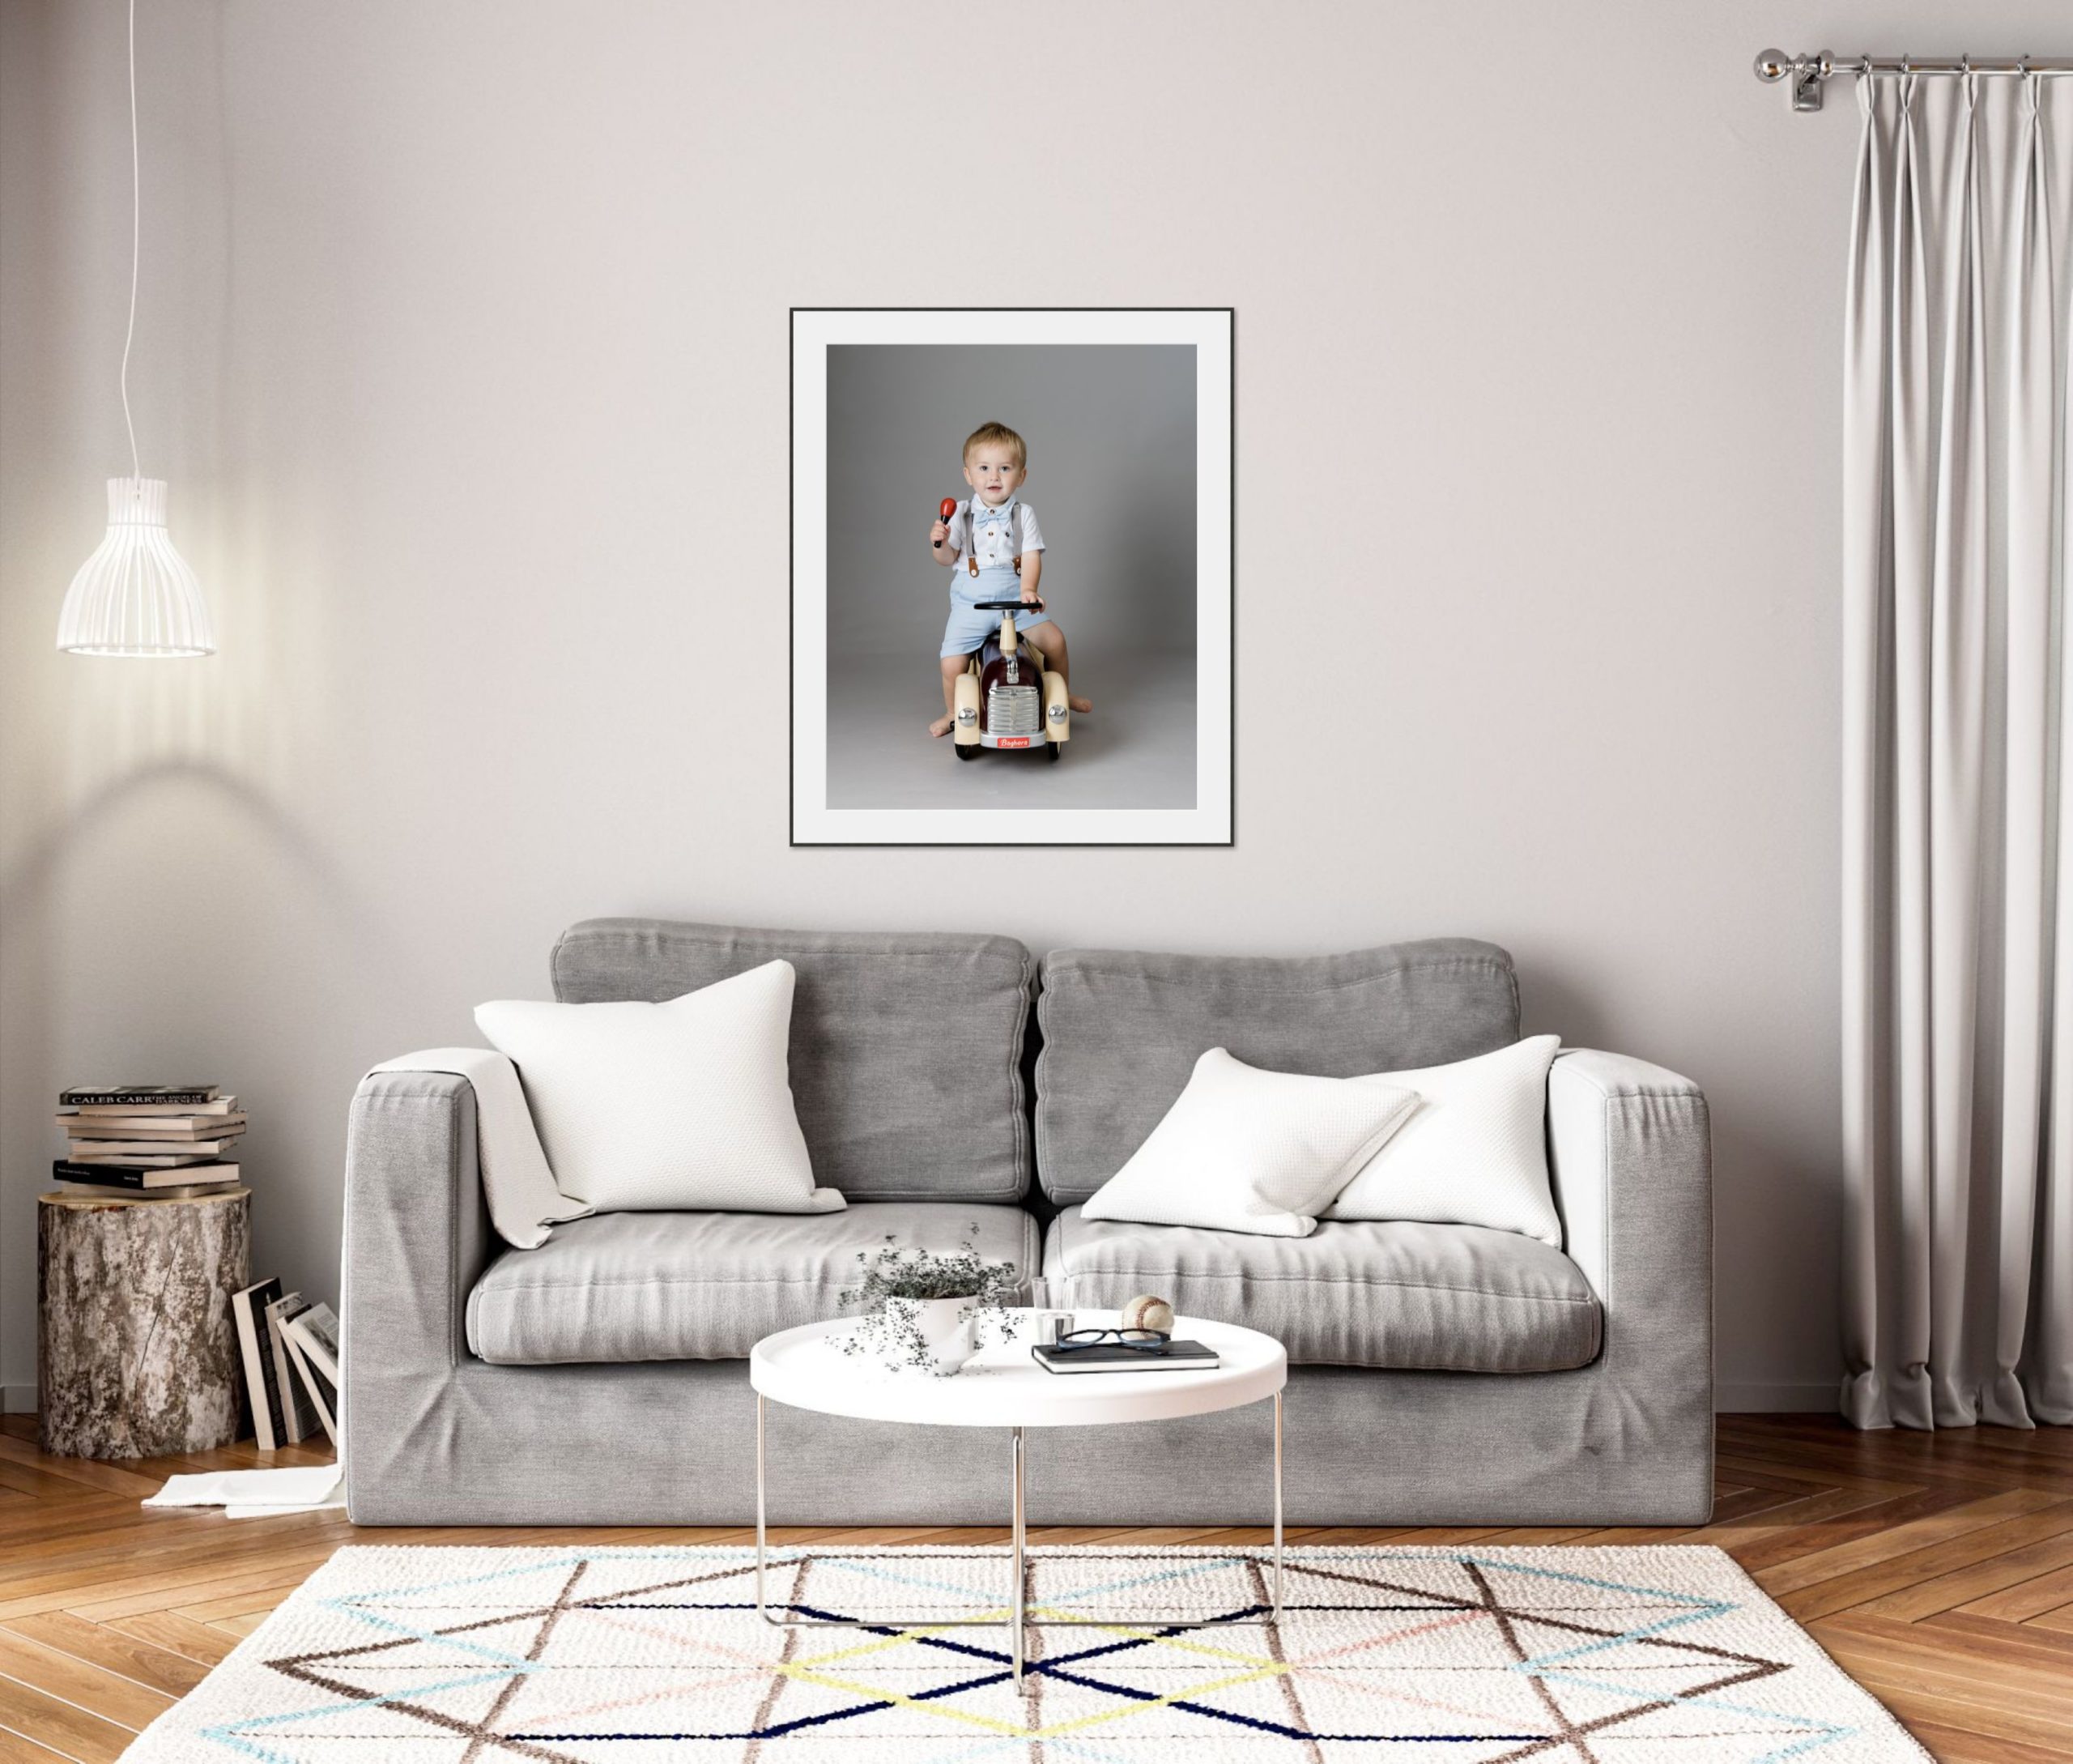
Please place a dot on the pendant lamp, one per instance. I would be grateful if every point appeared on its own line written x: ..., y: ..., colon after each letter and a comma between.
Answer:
x: 135, y: 596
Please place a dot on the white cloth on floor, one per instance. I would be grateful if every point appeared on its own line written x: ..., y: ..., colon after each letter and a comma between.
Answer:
x: 257, y: 1493
x: 525, y: 1203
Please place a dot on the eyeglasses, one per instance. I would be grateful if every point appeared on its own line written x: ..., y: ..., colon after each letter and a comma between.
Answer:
x: 1137, y: 1341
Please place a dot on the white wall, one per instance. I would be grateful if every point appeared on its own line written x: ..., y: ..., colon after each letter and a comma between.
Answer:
x: 463, y: 345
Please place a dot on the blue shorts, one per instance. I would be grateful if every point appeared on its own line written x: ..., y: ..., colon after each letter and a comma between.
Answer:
x: 968, y: 627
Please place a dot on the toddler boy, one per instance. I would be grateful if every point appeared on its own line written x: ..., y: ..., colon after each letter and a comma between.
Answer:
x: 988, y: 536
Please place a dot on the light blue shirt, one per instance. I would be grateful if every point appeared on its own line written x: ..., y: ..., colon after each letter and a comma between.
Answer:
x: 988, y: 533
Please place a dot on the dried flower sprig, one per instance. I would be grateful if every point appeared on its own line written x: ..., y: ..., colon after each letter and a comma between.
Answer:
x: 895, y: 1281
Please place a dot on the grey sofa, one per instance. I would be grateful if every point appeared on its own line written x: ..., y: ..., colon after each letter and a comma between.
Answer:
x: 1439, y: 1374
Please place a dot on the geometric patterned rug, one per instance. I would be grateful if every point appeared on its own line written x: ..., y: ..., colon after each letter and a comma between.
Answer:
x: 431, y: 1655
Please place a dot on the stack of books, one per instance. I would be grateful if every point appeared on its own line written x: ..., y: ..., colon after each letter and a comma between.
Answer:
x: 160, y: 1141
x: 291, y: 1352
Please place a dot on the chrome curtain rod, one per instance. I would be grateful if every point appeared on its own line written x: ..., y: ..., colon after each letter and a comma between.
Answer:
x: 1807, y: 72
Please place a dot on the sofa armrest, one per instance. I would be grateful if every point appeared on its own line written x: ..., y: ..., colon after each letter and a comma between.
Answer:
x: 417, y: 1237
x: 1629, y: 1152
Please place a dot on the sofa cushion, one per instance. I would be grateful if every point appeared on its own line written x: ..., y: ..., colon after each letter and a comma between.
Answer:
x: 906, y: 1048
x: 1122, y: 1031
x: 1247, y: 1150
x: 703, y: 1285
x: 1456, y: 1298
x: 673, y: 1107
x: 1474, y: 1152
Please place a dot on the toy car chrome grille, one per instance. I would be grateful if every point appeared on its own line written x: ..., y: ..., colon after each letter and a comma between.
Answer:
x: 1014, y: 710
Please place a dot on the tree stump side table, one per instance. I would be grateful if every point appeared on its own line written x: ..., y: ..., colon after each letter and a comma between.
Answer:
x: 137, y: 1351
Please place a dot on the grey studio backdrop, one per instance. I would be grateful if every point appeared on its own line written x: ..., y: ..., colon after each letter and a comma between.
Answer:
x: 1111, y: 433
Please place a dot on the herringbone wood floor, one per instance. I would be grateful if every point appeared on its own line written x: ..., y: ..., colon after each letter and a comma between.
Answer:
x: 1937, y: 1568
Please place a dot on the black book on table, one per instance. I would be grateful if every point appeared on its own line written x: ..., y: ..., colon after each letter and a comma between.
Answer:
x: 1174, y: 1357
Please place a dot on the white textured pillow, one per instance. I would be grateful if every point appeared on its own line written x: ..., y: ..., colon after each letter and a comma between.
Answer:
x: 1247, y: 1150
x: 681, y: 1107
x: 1474, y: 1152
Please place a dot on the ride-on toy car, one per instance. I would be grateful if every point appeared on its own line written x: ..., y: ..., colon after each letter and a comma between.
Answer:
x: 1006, y: 697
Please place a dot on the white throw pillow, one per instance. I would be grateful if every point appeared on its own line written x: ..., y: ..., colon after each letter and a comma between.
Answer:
x: 681, y: 1107
x: 1474, y: 1152
x: 1247, y: 1150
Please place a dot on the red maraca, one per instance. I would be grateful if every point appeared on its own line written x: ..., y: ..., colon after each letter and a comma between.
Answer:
x: 946, y: 509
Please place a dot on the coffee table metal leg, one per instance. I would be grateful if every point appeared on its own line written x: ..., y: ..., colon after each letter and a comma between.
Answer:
x: 762, y: 1610
x: 1019, y: 1553
x: 1274, y: 1617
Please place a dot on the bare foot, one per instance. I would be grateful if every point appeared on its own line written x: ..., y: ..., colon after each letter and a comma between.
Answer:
x: 940, y: 727
x: 1081, y: 706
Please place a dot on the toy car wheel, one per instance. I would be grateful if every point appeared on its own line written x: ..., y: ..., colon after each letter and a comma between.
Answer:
x: 965, y: 750
x: 1054, y: 749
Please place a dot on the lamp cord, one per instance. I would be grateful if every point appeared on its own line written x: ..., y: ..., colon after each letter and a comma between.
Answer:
x: 136, y: 238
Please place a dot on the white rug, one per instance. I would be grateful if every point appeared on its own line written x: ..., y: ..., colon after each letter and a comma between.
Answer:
x: 407, y: 1655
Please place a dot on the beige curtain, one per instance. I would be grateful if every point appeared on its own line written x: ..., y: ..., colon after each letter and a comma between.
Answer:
x: 1958, y: 759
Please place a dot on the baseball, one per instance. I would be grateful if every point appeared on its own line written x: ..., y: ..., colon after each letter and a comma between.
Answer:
x: 1149, y: 1313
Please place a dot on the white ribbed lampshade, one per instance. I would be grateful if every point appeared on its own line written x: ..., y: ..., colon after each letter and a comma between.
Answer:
x: 135, y: 595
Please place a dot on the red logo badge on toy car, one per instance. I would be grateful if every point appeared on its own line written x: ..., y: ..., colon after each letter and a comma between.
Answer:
x: 1013, y: 741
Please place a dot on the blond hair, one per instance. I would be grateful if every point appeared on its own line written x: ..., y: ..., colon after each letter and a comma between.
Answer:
x: 998, y: 435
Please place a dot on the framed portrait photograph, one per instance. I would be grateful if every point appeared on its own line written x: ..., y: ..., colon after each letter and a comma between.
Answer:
x: 1011, y: 576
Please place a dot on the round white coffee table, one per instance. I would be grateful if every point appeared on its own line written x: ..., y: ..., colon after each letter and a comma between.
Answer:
x: 1003, y: 1387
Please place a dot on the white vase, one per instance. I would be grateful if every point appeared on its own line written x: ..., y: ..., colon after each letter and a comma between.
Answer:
x: 944, y: 1325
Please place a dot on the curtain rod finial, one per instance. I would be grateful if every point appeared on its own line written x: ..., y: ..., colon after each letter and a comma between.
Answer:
x: 1806, y: 72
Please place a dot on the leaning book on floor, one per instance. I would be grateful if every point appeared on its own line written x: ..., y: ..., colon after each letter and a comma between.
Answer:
x: 298, y: 1413
x: 312, y: 1345
x: 323, y: 1400
x: 249, y: 1310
